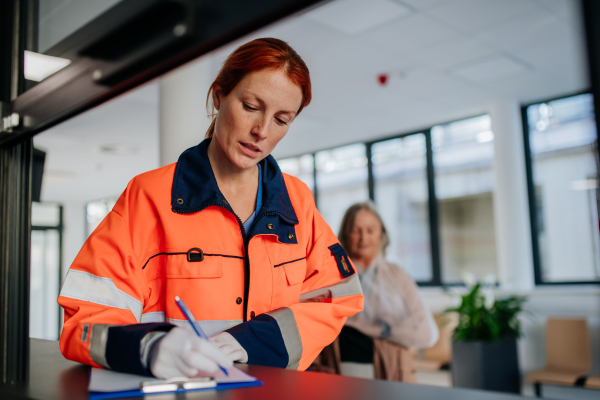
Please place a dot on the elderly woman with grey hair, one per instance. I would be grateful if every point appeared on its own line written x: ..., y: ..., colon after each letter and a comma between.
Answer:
x: 393, y: 308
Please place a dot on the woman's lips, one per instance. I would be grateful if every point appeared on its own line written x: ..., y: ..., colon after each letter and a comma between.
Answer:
x: 250, y: 149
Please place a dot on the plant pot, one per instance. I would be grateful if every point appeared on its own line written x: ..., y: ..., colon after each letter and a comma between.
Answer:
x: 486, y: 365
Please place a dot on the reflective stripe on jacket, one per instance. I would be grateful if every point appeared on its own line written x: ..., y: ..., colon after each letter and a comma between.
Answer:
x: 283, y: 290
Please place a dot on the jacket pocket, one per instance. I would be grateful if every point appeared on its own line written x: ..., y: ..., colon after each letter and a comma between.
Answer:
x: 294, y: 270
x: 191, y: 264
x: 287, y: 282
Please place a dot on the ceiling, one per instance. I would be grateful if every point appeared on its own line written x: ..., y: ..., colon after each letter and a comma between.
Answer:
x: 446, y: 60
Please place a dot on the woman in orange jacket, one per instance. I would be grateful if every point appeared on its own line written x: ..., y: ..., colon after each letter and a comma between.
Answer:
x: 241, y: 243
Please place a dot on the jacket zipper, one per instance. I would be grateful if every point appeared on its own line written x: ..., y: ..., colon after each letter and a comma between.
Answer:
x: 246, y: 241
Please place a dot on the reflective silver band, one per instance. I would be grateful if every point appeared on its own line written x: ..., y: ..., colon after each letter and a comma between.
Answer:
x: 210, y: 327
x: 347, y: 287
x: 146, y: 344
x: 84, y: 286
x: 98, y: 340
x: 290, y: 334
x: 157, y: 316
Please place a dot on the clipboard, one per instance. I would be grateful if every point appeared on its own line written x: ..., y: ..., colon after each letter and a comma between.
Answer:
x: 116, y: 385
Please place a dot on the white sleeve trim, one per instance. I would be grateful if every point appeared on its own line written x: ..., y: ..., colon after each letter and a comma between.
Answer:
x: 84, y: 286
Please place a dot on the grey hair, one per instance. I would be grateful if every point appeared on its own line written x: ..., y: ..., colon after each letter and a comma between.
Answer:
x: 348, y: 223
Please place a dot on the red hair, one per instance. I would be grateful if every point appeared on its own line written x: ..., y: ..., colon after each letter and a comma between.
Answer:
x: 259, y: 54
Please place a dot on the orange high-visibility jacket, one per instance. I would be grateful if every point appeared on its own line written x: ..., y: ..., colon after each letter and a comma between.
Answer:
x: 283, y: 290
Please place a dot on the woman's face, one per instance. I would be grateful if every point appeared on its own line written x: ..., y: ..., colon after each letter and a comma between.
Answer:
x: 255, y: 116
x: 365, y: 237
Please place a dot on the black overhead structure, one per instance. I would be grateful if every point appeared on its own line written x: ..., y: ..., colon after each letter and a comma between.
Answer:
x: 15, y: 199
x: 131, y: 43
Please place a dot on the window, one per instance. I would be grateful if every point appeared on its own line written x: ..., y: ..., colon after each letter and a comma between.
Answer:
x: 560, y: 143
x: 302, y: 167
x: 341, y: 181
x: 433, y: 189
x: 96, y: 211
x: 463, y: 152
x: 401, y: 192
x: 44, y: 285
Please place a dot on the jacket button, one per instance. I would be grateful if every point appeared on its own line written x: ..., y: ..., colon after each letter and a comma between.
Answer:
x: 180, y: 201
x: 238, y: 300
x: 252, y: 315
x: 291, y: 236
x: 225, y: 201
x: 270, y: 226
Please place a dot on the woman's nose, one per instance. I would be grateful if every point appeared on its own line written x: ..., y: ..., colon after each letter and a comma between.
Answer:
x: 260, y: 128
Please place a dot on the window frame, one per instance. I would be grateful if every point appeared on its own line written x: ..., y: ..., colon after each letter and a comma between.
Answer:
x: 432, y: 203
x: 533, y: 218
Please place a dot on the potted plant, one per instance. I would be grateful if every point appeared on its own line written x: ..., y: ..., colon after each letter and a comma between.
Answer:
x: 484, y: 343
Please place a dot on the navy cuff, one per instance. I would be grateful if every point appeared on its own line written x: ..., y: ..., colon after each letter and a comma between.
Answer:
x: 262, y: 340
x: 123, y: 346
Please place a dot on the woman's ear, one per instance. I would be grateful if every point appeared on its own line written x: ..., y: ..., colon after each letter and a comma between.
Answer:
x: 217, y: 92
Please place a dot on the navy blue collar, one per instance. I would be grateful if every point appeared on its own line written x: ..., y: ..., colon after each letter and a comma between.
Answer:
x: 195, y: 187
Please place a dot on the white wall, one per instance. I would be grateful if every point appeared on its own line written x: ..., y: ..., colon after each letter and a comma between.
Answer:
x: 543, y: 302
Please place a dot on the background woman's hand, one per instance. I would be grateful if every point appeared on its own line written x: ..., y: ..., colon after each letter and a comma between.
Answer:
x: 183, y: 354
x: 365, y: 326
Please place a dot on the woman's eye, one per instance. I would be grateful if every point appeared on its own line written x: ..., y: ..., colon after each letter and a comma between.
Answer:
x: 247, y: 107
x: 281, y: 122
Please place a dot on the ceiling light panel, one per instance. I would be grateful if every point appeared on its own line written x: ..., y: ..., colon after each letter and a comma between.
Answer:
x: 353, y: 57
x: 305, y: 35
x: 491, y: 69
x: 535, y: 27
x: 357, y: 16
x: 410, y: 35
x: 567, y: 10
x: 423, y: 4
x: 476, y: 15
x: 450, y: 54
x: 571, y: 62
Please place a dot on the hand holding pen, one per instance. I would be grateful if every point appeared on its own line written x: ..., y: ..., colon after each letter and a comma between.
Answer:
x: 182, y: 353
x: 190, y: 317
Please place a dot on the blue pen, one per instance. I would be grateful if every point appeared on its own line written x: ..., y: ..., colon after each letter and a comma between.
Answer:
x: 190, y: 317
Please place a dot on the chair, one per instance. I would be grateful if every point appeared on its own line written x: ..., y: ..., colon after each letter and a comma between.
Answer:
x: 439, y: 355
x: 593, y: 382
x: 568, y: 355
x: 391, y: 361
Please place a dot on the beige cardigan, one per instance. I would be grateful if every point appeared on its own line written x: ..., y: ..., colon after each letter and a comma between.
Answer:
x: 392, y: 297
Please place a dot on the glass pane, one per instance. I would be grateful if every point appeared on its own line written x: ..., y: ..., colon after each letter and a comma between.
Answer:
x: 56, y: 20
x: 301, y: 167
x: 45, y: 214
x: 400, y: 173
x: 463, y: 157
x: 44, y: 284
x: 96, y: 211
x: 561, y: 136
x: 341, y: 181
x: 59, y: 18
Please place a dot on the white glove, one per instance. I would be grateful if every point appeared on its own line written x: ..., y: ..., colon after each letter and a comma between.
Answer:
x: 183, y: 354
x: 231, y: 347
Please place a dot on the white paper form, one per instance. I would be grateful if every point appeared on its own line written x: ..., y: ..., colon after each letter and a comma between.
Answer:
x: 104, y: 380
